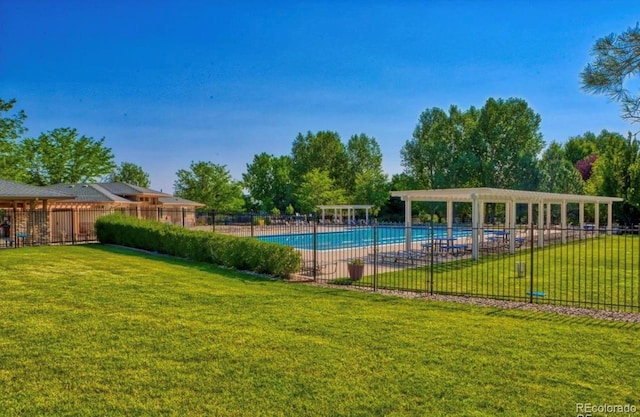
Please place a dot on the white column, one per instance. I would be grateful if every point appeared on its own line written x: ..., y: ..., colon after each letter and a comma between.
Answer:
x: 529, y: 215
x: 476, y: 224
x: 512, y: 226
x: 581, y: 215
x: 507, y: 215
x: 449, y: 218
x: 596, y: 223
x: 563, y: 221
x: 540, y: 224
x: 549, y: 219
x: 609, y: 217
x: 480, y: 206
x: 407, y: 224
x: 366, y: 215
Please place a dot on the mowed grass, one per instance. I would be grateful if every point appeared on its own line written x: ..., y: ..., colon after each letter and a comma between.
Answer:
x: 596, y: 271
x: 94, y: 330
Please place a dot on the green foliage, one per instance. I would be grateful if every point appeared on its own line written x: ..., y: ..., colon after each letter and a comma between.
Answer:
x: 578, y: 148
x: 62, y: 156
x: 558, y: 175
x: 210, y: 184
x: 324, y: 151
x: 368, y: 183
x: 11, y: 130
x: 616, y: 173
x: 496, y: 146
x: 616, y: 60
x: 130, y: 173
x: 340, y: 281
x: 235, y: 252
x: 318, y: 188
x: 268, y: 180
x: 289, y: 210
x: 509, y: 131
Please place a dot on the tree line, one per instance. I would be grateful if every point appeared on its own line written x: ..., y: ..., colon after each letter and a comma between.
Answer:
x: 497, y: 145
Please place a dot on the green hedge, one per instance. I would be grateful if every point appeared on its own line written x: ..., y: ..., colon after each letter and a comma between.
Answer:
x: 247, y: 254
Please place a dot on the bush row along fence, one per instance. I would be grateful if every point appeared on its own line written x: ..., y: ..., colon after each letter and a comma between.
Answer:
x: 581, y: 267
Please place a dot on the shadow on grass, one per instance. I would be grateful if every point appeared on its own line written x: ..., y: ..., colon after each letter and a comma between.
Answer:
x: 245, y: 276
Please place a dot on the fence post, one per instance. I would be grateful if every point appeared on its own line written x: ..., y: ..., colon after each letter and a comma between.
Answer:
x: 315, y: 250
x: 184, y: 214
x: 73, y: 226
x: 431, y: 248
x: 375, y: 257
x: 531, y: 266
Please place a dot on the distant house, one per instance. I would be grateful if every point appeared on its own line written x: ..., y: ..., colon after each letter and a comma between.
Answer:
x: 16, y: 200
x: 67, y: 212
x: 94, y: 200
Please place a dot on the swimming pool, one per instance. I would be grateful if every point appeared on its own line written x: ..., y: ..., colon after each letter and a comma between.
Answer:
x: 360, y: 237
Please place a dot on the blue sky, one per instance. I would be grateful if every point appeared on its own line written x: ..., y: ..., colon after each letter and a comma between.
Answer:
x: 168, y: 82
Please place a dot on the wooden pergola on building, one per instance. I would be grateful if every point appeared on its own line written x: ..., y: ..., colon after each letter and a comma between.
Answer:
x: 479, y: 197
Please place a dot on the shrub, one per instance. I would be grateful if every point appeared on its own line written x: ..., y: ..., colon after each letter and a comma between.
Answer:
x: 340, y: 281
x: 234, y: 252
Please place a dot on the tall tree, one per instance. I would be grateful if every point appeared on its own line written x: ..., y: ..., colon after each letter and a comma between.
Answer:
x: 62, y: 156
x: 210, y: 184
x: 616, y: 59
x: 509, y: 134
x: 616, y: 173
x: 578, y: 148
x: 11, y: 129
x: 318, y: 188
x: 496, y: 146
x: 131, y: 174
x: 368, y: 183
x: 323, y: 150
x: 429, y: 156
x: 557, y: 173
x: 268, y: 180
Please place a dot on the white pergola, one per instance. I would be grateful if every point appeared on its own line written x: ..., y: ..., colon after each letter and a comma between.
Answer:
x: 478, y: 197
x: 351, y: 210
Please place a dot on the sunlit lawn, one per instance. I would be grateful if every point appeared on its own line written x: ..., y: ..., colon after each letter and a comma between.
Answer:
x: 92, y: 330
x: 598, y: 271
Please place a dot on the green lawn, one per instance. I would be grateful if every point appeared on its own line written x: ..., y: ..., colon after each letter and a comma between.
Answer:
x: 598, y: 271
x: 92, y: 330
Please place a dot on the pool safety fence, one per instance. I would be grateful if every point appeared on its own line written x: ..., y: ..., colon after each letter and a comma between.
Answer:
x: 583, y: 266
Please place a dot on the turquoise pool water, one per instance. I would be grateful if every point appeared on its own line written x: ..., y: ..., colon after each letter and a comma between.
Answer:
x: 360, y: 237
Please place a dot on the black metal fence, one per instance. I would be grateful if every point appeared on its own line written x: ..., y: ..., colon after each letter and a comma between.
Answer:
x: 586, y: 266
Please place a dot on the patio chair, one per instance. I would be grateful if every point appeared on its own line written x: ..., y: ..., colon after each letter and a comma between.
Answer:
x: 320, y: 268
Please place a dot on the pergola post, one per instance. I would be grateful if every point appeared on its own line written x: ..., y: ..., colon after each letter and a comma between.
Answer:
x: 476, y: 224
x: 511, y: 205
x: 609, y: 218
x: 480, y: 207
x: 449, y: 218
x: 549, y: 219
x: 540, y: 224
x: 563, y: 221
x: 407, y: 223
x: 529, y: 215
x: 581, y: 215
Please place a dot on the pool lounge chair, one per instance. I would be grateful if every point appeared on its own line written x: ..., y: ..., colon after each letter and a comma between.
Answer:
x: 320, y: 268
